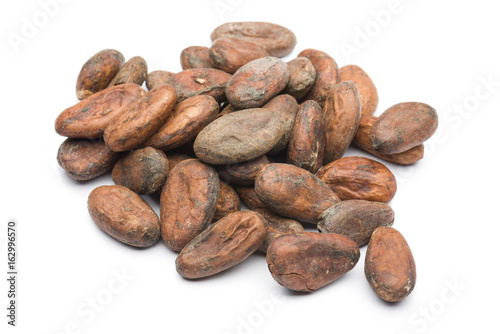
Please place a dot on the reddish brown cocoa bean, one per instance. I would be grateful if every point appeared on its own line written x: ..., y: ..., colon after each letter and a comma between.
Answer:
x: 243, y: 173
x: 240, y: 136
x: 124, y: 215
x: 307, y: 141
x: 187, y: 119
x: 229, y: 54
x: 228, y: 201
x: 403, y: 126
x: 143, y: 171
x: 227, y: 110
x: 188, y: 201
x: 135, y: 70
x: 327, y: 75
x: 250, y: 198
x: 141, y: 120
x: 309, y: 261
x: 175, y: 158
x: 223, y: 245
x: 287, y: 107
x: 359, y: 178
x: 275, y: 39
x: 389, y: 265
x: 90, y: 117
x: 97, y: 72
x: 302, y: 77
x: 342, y: 116
x: 293, y: 192
x: 362, y: 140
x: 195, y: 57
x: 158, y: 78
x: 201, y: 81
x: 356, y: 219
x: 367, y: 90
x: 278, y: 226
x: 84, y: 160
x: 257, y: 82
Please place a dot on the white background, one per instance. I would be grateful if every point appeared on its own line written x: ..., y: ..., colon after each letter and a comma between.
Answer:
x: 438, y: 52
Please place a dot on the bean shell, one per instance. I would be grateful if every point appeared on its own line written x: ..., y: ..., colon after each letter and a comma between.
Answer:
x: 287, y: 107
x: 201, y: 81
x: 135, y: 70
x: 302, y: 77
x: 158, y: 78
x: 124, y: 215
x: 228, y: 201
x: 389, y: 265
x: 249, y: 197
x: 195, y: 57
x: 277, y: 226
x: 243, y: 173
x: 230, y: 54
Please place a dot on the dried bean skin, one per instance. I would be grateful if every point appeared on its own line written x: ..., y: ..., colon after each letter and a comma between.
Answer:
x: 277, y: 226
x: 230, y: 54
x: 97, y: 72
x: 402, y: 127
x: 188, y: 202
x: 201, y: 81
x: 302, y: 77
x: 223, y: 245
x: 158, y: 78
x: 389, y: 265
x: 308, y: 261
x: 124, y: 215
x: 249, y: 197
x: 228, y: 201
x: 287, y: 107
x: 243, y: 173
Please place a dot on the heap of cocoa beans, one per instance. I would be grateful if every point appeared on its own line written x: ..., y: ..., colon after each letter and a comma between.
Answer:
x: 238, y: 124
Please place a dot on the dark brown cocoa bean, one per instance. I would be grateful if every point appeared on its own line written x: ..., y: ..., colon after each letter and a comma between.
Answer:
x: 287, y: 107
x: 307, y: 141
x: 240, y: 136
x: 188, y: 201
x: 359, y: 178
x: 249, y: 197
x: 309, y: 261
x: 84, y: 160
x: 293, y: 192
x: 257, y: 82
x: 356, y: 219
x: 195, y: 57
x: 229, y: 54
x: 389, y: 265
x: 367, y: 90
x: 97, y: 72
x: 302, y: 77
x: 124, y: 215
x: 158, y: 78
x: 228, y: 201
x: 223, y: 245
x: 243, y: 173
x: 143, y: 171
x: 277, y: 226
x: 135, y: 70
x: 201, y: 81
